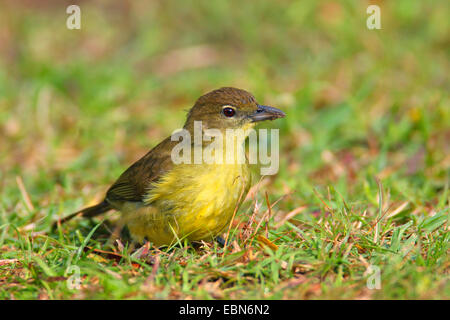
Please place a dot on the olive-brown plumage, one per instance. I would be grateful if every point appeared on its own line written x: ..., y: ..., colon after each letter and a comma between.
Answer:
x: 149, y: 186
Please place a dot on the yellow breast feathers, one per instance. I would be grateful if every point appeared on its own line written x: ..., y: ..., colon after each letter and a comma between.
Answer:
x: 196, y: 203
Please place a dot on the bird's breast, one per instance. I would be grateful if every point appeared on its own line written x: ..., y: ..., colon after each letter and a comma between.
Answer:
x: 197, y: 201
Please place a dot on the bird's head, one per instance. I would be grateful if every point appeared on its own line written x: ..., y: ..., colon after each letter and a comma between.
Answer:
x: 230, y: 108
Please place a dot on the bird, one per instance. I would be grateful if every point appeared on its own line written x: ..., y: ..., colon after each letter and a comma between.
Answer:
x: 162, y: 202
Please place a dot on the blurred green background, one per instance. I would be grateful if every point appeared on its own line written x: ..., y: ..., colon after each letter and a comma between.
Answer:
x: 78, y: 106
x: 76, y: 103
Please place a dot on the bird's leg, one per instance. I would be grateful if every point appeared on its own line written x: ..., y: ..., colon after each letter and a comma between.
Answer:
x: 221, y: 241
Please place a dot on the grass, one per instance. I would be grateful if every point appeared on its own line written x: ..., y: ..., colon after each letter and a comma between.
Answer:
x: 364, y: 172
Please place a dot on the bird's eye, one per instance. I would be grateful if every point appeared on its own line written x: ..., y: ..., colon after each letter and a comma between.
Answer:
x: 229, y: 112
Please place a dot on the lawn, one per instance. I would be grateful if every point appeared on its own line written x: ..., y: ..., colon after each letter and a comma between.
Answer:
x: 358, y: 210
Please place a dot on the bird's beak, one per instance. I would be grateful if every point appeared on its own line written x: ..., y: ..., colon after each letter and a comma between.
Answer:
x: 266, y: 113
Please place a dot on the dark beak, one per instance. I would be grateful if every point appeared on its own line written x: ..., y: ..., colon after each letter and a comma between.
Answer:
x: 266, y: 113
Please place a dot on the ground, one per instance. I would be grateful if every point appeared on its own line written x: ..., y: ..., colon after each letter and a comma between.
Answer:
x: 358, y: 210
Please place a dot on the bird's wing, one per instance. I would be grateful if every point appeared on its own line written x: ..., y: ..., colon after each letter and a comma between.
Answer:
x: 135, y: 182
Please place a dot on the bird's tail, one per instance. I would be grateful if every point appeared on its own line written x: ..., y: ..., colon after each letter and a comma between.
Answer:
x: 88, y: 212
